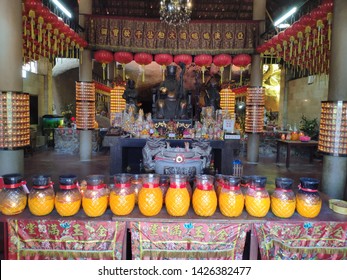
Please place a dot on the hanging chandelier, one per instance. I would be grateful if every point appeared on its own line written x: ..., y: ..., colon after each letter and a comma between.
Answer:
x: 175, y: 12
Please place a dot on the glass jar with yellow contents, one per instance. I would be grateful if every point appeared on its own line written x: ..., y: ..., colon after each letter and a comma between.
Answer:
x: 95, y: 197
x: 177, y: 199
x: 41, y: 196
x: 231, y: 199
x: 68, y: 198
x: 308, y: 200
x: 150, y: 196
x: 257, y: 200
x: 283, y: 198
x: 122, y: 197
x: 13, y: 197
x: 204, y: 196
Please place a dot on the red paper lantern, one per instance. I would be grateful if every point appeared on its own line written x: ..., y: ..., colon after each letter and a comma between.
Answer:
x: 242, y: 60
x: 143, y: 59
x: 222, y: 60
x: 123, y: 58
x: 163, y: 59
x: 203, y: 60
x: 184, y: 58
x: 104, y: 57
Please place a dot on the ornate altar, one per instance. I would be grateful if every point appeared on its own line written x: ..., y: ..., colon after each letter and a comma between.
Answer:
x: 159, y: 156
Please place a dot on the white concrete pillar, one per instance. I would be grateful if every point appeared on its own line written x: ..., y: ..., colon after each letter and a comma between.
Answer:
x: 259, y: 8
x: 85, y: 75
x: 11, y: 71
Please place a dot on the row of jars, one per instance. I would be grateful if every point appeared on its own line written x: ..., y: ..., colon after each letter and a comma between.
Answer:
x: 152, y: 191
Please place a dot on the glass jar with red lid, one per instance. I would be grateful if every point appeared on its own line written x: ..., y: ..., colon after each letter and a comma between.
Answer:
x: 122, y: 197
x: 68, y: 198
x: 283, y: 198
x: 204, y: 196
x: 13, y: 197
x: 231, y: 199
x: 95, y: 197
x: 177, y: 200
x: 41, y: 196
x: 257, y: 199
x: 308, y: 200
x: 150, y: 196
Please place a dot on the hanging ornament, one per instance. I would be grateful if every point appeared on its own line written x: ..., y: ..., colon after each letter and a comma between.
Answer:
x: 42, y: 12
x: 327, y: 7
x: 123, y: 58
x: 242, y: 61
x: 104, y: 57
x: 299, y: 29
x: 203, y: 60
x: 222, y: 60
x: 308, y: 22
x: 319, y: 16
x: 163, y: 59
x: 31, y: 6
x: 143, y: 59
x: 290, y: 33
x: 283, y: 41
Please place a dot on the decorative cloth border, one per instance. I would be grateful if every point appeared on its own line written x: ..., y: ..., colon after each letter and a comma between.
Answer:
x: 155, y: 37
x: 65, y: 239
x: 187, y: 240
x: 306, y: 240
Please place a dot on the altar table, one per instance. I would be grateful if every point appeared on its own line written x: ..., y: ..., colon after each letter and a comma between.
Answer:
x: 311, y: 145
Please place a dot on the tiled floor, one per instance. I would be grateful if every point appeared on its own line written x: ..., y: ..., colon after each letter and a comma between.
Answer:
x: 49, y: 162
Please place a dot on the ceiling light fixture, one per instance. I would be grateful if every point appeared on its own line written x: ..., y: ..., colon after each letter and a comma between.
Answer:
x: 175, y: 12
x: 62, y: 8
x: 285, y: 16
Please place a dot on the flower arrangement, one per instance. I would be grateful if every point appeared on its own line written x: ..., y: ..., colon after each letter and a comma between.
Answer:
x: 310, y: 127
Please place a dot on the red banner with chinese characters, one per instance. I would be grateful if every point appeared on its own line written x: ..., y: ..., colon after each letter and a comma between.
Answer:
x: 187, y: 240
x: 156, y: 37
x: 305, y: 240
x: 65, y: 239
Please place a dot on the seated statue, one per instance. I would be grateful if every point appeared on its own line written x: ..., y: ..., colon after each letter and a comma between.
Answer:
x: 171, y: 99
x: 130, y: 95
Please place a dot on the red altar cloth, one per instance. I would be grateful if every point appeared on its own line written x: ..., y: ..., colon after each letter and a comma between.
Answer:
x: 65, y: 239
x: 162, y: 240
x: 302, y: 240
